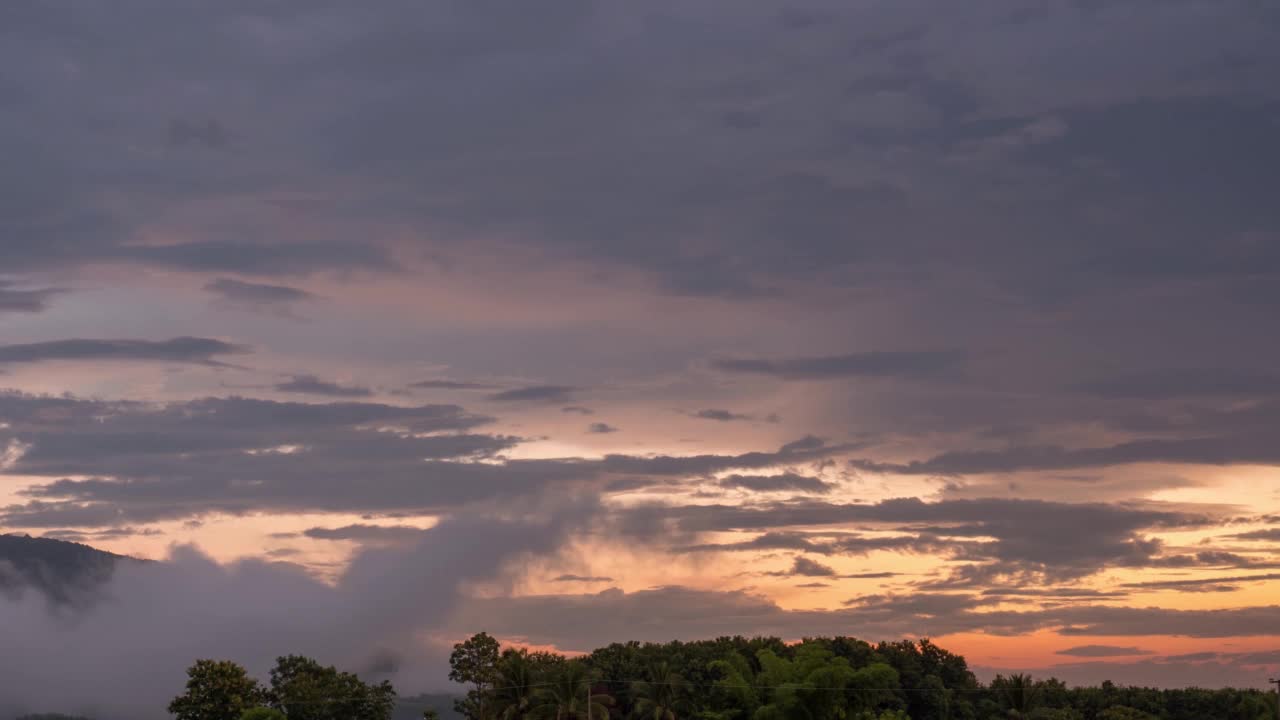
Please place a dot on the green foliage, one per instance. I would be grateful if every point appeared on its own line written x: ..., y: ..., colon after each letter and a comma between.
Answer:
x: 303, y: 689
x: 517, y: 685
x: 728, y: 678
x: 1018, y: 694
x: 663, y: 695
x: 570, y: 695
x: 475, y: 661
x: 262, y: 713
x: 216, y: 690
x: 1121, y: 712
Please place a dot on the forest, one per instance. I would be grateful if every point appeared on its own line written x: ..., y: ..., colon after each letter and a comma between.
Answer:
x: 729, y: 678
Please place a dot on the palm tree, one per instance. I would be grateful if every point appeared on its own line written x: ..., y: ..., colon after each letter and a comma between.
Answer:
x: 661, y: 697
x: 516, y: 691
x: 566, y: 697
x: 1020, y: 693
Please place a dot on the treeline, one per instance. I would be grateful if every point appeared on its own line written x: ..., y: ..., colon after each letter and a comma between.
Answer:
x: 300, y: 689
x: 730, y: 678
x: 840, y: 678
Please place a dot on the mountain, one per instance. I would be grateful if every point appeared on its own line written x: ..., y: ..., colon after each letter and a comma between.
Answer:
x: 61, y: 570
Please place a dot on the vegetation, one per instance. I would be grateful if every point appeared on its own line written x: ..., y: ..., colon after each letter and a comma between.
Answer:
x: 300, y: 689
x: 729, y: 678
x: 816, y: 679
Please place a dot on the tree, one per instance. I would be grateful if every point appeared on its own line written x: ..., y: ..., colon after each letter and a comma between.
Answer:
x: 475, y: 661
x: 1019, y: 694
x: 663, y: 696
x: 1121, y: 712
x: 517, y: 685
x: 303, y: 689
x: 262, y: 713
x: 569, y: 695
x: 217, y: 690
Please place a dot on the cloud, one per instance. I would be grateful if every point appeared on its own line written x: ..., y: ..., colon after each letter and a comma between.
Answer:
x: 1095, y: 651
x: 721, y: 415
x: 536, y: 394
x: 1006, y: 541
x: 193, y: 350
x: 1203, y: 584
x: 901, y: 364
x: 312, y: 385
x: 114, y: 463
x: 134, y: 640
x: 207, y: 133
x: 257, y: 295
x: 1227, y: 450
x: 577, y: 410
x: 1268, y: 534
x: 1185, y: 382
x: 582, y: 578
x: 25, y: 301
x: 601, y: 428
x: 366, y: 533
x: 256, y: 258
x: 450, y: 385
x: 774, y: 483
x: 582, y: 622
x: 811, y: 568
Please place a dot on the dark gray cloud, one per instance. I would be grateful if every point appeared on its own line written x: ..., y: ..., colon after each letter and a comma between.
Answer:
x: 255, y: 258
x: 1013, y: 187
x: 366, y: 533
x: 805, y: 567
x: 24, y: 301
x: 577, y: 410
x: 1186, y: 382
x: 1226, y: 450
x: 1004, y: 541
x: 207, y: 133
x: 246, y: 611
x: 450, y: 385
x: 1270, y: 534
x: 580, y: 622
x: 1095, y: 651
x: 600, y: 428
x: 140, y: 462
x: 774, y: 483
x: 536, y: 394
x: 312, y: 385
x: 721, y: 415
x: 902, y: 364
x: 582, y: 578
x: 257, y: 295
x: 194, y: 350
x: 1203, y: 584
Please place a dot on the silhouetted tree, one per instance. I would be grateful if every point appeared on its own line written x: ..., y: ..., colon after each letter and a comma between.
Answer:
x: 474, y: 661
x: 303, y: 689
x: 662, y: 696
x: 566, y: 697
x: 216, y: 690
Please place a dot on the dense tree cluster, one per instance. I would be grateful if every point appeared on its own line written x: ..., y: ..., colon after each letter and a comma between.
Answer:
x: 729, y: 678
x: 300, y: 689
x: 816, y: 679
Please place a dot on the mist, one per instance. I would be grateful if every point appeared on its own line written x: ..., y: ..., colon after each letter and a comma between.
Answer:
x: 123, y: 653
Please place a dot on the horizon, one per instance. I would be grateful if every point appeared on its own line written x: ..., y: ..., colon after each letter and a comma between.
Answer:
x: 597, y: 320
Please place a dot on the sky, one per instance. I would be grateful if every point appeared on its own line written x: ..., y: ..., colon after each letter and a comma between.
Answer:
x: 588, y: 320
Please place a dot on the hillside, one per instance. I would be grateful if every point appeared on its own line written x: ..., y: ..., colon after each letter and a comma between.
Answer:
x: 57, y: 568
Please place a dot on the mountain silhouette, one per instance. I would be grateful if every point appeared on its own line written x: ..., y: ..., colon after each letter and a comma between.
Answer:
x: 62, y: 571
